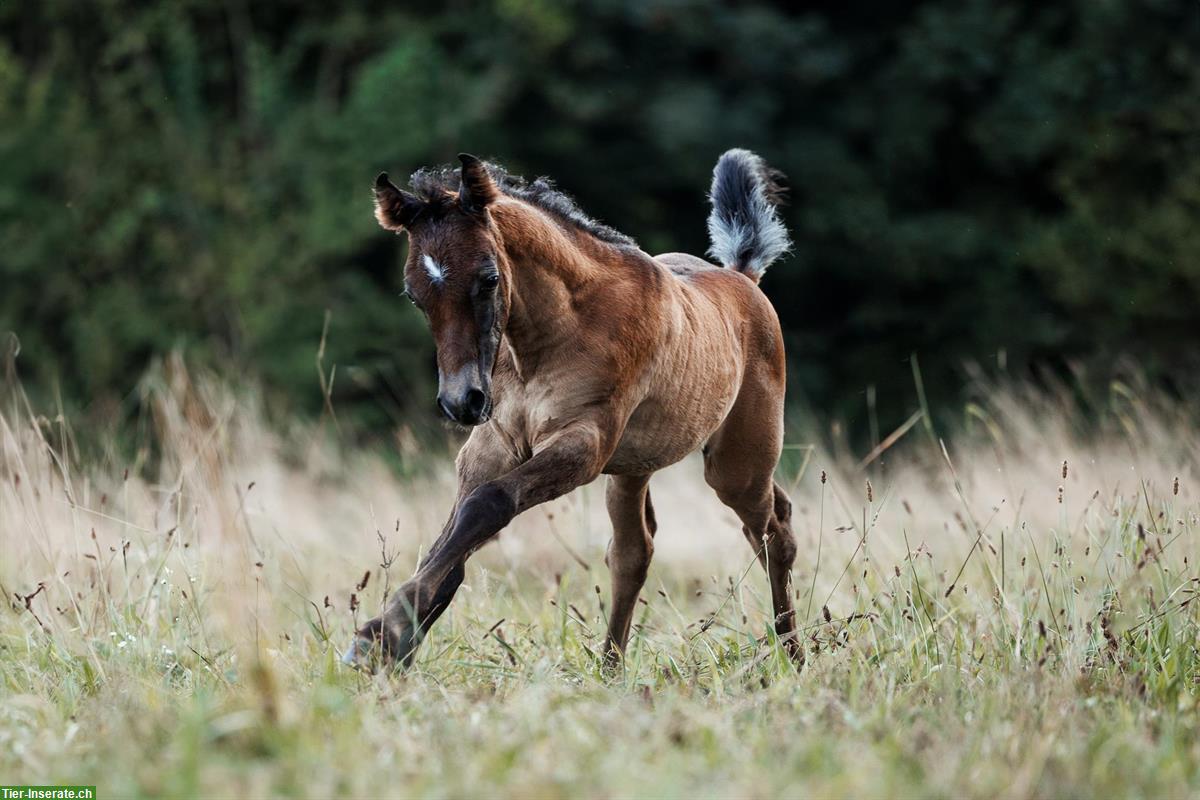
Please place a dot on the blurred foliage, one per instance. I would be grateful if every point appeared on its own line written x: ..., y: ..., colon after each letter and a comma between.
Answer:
x: 972, y: 180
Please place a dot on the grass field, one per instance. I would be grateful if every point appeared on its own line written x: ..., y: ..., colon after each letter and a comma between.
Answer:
x: 1008, y: 617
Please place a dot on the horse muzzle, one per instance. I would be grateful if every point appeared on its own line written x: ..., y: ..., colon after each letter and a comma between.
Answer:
x: 466, y: 405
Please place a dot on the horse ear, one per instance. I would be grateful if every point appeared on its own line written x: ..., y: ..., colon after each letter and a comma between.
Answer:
x: 394, y: 208
x: 477, y: 190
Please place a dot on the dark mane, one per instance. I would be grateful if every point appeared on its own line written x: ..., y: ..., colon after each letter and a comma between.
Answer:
x: 431, y: 184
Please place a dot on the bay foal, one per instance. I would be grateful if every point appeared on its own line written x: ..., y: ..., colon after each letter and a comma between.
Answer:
x: 573, y: 353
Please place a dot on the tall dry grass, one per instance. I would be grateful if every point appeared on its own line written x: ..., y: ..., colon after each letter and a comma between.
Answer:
x: 173, y: 629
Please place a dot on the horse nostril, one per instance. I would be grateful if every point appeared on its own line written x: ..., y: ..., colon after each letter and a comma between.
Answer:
x: 467, y: 409
x: 474, y: 403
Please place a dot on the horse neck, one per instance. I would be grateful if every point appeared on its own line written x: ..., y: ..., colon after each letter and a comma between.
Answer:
x: 550, y: 266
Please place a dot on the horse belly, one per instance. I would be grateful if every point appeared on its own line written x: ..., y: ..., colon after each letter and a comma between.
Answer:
x: 659, y: 433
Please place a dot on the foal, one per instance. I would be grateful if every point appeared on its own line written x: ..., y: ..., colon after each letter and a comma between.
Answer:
x: 574, y: 353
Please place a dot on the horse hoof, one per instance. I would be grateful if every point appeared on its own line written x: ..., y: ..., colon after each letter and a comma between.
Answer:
x: 358, y: 655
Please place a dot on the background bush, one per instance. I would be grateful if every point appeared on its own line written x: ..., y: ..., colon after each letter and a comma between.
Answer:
x: 1013, y: 183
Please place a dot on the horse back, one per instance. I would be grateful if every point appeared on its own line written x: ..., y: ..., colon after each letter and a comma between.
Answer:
x: 735, y: 298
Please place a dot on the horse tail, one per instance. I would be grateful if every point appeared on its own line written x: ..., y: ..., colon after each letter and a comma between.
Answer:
x: 744, y: 227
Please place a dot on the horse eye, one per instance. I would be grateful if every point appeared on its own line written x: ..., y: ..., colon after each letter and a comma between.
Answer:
x: 490, y: 281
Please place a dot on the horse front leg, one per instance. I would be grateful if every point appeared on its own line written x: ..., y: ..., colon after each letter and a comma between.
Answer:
x: 483, y: 457
x: 567, y: 459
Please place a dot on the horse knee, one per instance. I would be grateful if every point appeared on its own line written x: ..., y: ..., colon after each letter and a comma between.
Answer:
x: 630, y: 558
x: 488, y: 506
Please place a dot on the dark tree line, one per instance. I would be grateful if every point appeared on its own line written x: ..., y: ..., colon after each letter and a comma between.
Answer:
x: 1013, y: 182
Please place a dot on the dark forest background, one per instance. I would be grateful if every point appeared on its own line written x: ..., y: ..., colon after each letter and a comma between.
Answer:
x: 1009, y: 184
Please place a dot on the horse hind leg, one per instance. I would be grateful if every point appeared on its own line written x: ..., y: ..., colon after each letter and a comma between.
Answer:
x: 738, y: 464
x: 628, y: 557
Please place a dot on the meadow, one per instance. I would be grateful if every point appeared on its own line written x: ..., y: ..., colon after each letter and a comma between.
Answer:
x: 1003, y: 609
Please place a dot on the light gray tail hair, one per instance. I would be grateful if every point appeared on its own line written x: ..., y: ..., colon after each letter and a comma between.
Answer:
x: 744, y: 227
